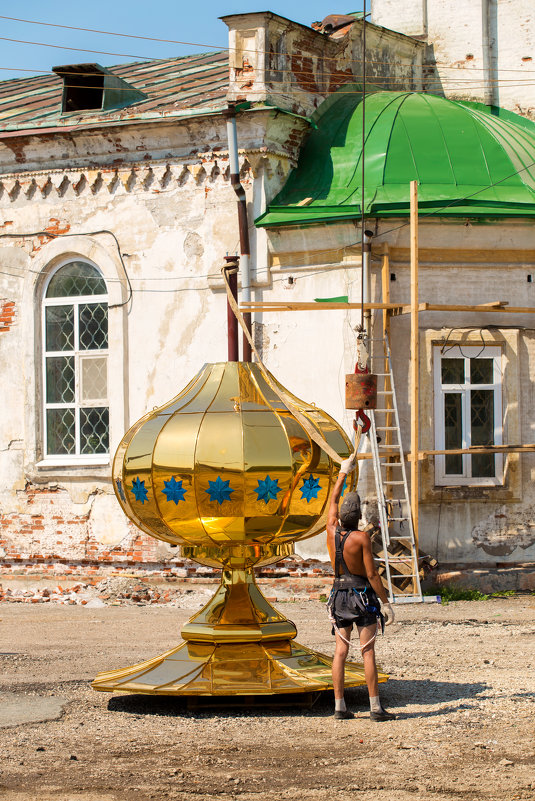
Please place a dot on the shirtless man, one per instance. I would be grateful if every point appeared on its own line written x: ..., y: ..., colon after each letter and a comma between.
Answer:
x: 351, y: 556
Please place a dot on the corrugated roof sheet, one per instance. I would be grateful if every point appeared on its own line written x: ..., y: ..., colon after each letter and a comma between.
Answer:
x: 469, y: 160
x: 180, y: 86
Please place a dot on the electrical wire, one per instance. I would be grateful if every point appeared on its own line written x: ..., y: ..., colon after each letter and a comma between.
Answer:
x: 247, y: 50
x: 378, y: 81
x: 458, y: 201
x: 445, y: 348
x: 87, y: 233
x: 296, y: 262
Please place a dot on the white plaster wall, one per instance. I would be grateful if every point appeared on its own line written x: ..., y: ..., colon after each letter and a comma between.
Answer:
x: 484, y: 49
x: 174, y: 223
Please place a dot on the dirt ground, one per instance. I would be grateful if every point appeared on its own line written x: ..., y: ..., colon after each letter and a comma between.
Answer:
x: 462, y: 684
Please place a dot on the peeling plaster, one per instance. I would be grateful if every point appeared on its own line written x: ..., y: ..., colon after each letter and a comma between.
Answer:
x: 505, y: 529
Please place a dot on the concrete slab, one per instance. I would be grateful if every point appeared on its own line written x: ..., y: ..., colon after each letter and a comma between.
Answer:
x: 16, y: 709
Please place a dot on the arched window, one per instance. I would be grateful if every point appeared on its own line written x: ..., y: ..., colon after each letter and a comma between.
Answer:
x: 75, y: 369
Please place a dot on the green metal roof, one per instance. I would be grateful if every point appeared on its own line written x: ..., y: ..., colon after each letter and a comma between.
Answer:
x: 455, y: 150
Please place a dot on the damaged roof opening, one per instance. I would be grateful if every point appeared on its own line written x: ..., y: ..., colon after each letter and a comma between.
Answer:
x: 90, y: 86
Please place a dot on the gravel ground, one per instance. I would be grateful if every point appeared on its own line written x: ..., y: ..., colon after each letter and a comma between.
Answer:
x: 461, y: 682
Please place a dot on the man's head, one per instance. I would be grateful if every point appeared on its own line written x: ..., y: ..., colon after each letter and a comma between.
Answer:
x: 349, y: 512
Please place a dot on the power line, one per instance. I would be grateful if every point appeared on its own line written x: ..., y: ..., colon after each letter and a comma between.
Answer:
x: 112, y: 33
x: 77, y: 49
x: 458, y: 201
x: 218, y: 47
x: 343, y: 248
x: 397, y: 85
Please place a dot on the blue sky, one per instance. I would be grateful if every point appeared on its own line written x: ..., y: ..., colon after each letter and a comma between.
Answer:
x: 165, y: 19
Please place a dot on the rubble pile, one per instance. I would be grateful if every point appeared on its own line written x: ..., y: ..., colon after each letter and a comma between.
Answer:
x: 189, y: 593
x: 110, y: 592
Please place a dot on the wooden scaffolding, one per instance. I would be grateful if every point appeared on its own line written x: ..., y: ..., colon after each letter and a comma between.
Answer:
x: 389, y: 311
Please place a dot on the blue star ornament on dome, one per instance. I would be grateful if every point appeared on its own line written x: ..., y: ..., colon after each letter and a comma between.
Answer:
x: 174, y: 491
x: 311, y: 487
x: 268, y: 489
x: 139, y: 490
x: 219, y: 490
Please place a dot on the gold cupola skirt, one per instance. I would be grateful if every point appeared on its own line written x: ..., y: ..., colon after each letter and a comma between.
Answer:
x: 226, y: 471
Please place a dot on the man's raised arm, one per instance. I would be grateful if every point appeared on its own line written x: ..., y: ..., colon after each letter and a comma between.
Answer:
x: 347, y: 466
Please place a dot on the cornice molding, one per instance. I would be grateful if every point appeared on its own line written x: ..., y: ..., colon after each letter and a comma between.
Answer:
x: 137, y: 177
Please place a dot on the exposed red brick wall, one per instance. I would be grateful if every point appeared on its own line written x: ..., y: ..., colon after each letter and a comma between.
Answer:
x: 7, y: 314
x: 49, y: 535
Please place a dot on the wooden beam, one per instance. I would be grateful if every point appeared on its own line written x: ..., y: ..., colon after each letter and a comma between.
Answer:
x: 414, y: 394
x: 454, y: 256
x: 385, y: 286
x: 496, y: 307
x: 475, y: 449
x: 279, y: 305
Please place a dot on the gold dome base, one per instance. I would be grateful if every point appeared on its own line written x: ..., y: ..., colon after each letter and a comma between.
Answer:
x: 206, y: 669
x: 238, y: 644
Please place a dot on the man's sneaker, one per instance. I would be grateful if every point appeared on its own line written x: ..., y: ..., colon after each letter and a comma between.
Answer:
x: 343, y: 715
x: 382, y: 715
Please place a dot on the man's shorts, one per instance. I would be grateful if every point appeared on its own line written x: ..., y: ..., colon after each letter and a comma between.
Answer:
x: 347, y: 613
x: 356, y: 605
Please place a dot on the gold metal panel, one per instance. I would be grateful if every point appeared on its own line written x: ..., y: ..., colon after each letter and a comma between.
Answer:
x: 175, y: 488
x: 227, y: 397
x: 237, y: 669
x: 249, y: 674
x: 265, y: 391
x: 201, y: 401
x: 251, y: 397
x: 268, y: 473
x: 167, y: 672
x: 219, y: 476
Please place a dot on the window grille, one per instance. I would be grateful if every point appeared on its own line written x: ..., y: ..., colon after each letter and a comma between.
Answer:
x: 75, y: 364
x: 468, y: 412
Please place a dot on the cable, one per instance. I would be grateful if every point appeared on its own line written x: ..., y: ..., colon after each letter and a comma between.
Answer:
x: 87, y: 233
x: 218, y: 47
x: 465, y: 83
x: 444, y: 349
x: 77, y: 49
x: 435, y: 212
x: 316, y: 272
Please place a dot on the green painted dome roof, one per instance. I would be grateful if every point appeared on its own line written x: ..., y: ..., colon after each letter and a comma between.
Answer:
x: 455, y: 150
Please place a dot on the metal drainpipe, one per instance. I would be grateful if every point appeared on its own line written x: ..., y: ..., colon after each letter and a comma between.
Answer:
x: 232, y: 266
x: 366, y: 280
x: 245, y: 249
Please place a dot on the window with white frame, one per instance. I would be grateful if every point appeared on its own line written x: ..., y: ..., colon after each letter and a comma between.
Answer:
x: 75, y: 365
x: 468, y: 412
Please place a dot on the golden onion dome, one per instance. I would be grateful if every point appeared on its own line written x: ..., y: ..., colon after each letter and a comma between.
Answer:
x: 227, y: 464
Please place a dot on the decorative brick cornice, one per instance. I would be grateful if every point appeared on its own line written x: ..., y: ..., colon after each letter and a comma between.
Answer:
x: 207, y: 168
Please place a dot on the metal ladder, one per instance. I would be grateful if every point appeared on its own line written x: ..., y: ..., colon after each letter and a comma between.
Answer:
x: 398, y: 555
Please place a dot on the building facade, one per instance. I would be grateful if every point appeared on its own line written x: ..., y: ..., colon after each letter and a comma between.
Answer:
x: 116, y: 213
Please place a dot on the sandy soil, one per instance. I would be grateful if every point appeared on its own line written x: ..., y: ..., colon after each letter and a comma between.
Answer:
x: 462, y: 683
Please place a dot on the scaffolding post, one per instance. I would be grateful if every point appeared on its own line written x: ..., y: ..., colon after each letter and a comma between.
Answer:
x: 414, y: 376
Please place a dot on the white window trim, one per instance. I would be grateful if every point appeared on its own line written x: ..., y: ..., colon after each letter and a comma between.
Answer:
x: 59, y: 460
x: 467, y: 352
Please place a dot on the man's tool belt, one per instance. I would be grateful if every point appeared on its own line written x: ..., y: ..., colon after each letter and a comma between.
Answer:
x: 349, y: 582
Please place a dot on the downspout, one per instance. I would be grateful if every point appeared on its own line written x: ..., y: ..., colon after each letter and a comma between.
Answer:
x: 245, y: 250
x: 231, y: 268
x: 489, y: 45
